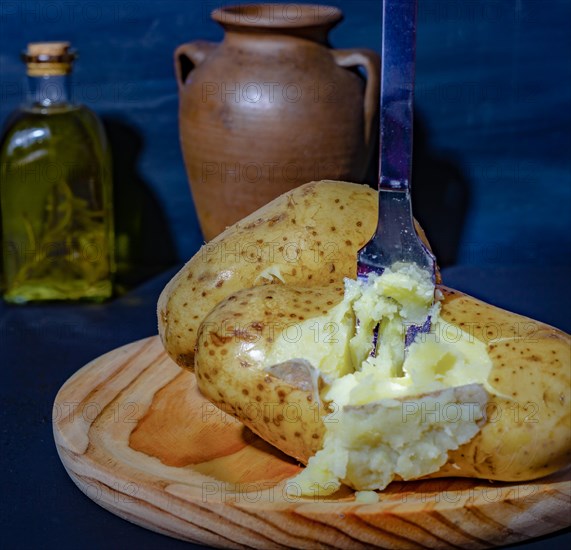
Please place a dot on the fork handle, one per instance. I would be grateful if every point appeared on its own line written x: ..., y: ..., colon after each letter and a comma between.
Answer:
x: 397, y: 93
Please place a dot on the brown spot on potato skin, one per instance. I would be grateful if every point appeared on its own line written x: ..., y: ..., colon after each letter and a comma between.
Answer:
x: 244, y: 335
x: 218, y: 340
x: 185, y: 359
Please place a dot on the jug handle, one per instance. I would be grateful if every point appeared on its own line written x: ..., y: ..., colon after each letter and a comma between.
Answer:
x: 196, y: 52
x: 371, y: 62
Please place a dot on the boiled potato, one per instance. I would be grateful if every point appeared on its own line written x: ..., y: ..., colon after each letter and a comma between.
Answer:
x: 257, y: 355
x: 309, y: 236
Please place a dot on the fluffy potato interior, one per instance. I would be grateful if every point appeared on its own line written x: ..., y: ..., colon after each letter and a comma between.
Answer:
x: 375, y: 430
x: 367, y: 446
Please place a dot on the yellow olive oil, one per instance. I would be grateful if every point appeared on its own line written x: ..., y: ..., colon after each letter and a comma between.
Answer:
x: 55, y: 192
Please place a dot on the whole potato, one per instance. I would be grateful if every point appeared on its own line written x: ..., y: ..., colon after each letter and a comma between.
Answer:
x: 309, y: 236
x: 527, y: 433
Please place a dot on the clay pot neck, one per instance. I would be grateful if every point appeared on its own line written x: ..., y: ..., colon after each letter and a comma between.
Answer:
x: 311, y: 22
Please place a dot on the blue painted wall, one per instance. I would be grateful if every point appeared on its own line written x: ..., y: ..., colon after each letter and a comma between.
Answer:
x: 493, y: 99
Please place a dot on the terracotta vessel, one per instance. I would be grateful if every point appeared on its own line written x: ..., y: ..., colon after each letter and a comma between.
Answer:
x: 272, y: 107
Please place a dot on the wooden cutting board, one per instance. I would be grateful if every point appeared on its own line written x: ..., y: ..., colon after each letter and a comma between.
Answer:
x: 137, y: 437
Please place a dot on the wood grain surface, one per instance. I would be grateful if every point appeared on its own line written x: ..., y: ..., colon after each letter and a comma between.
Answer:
x: 136, y: 436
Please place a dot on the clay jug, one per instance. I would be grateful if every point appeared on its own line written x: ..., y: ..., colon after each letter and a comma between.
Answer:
x: 271, y: 107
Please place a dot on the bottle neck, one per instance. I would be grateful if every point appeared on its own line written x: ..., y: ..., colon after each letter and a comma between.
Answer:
x: 49, y: 90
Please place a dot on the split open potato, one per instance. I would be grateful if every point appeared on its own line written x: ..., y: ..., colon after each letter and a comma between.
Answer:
x: 285, y: 346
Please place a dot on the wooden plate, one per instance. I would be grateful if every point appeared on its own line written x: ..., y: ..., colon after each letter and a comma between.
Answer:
x: 136, y: 436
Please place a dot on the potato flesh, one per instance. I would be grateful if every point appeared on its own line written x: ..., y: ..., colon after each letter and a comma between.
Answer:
x: 367, y: 443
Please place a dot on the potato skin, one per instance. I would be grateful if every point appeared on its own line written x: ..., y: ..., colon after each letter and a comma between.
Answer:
x: 527, y: 434
x: 232, y: 343
x: 311, y: 234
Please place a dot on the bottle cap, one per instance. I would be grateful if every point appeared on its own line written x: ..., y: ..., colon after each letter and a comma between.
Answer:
x: 49, y: 58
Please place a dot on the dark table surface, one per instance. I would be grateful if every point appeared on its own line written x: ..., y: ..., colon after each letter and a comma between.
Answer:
x: 41, y: 346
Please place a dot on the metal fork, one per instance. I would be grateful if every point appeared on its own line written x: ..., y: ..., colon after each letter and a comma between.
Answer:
x: 395, y: 239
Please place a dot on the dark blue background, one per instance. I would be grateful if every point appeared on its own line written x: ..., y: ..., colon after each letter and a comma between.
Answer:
x: 494, y: 104
x: 493, y: 98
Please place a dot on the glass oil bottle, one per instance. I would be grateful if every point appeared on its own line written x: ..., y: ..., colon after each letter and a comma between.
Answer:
x: 55, y: 190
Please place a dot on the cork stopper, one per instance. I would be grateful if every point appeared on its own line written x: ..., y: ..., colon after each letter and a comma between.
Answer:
x: 49, y: 58
x: 48, y: 48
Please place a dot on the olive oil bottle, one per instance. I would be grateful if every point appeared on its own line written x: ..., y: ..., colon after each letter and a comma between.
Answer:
x: 55, y: 190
